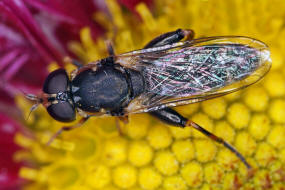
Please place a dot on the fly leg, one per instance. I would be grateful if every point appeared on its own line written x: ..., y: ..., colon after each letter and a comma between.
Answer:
x: 171, y: 37
x: 68, y: 128
x: 74, y: 62
x: 124, y: 119
x: 110, y: 48
x: 171, y: 117
x: 118, y: 126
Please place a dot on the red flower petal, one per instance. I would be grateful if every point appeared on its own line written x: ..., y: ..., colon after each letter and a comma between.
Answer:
x: 34, y: 33
x: 9, y: 178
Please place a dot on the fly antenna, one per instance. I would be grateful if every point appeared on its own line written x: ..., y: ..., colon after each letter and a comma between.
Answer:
x: 35, y: 98
x: 31, y: 96
x: 35, y: 106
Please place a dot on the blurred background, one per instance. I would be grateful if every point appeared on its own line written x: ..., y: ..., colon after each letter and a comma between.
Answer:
x: 35, y: 36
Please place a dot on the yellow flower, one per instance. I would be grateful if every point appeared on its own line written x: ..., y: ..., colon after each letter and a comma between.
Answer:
x: 151, y: 155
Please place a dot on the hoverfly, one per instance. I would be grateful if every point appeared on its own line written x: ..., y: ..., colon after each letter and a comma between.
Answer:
x: 167, y: 72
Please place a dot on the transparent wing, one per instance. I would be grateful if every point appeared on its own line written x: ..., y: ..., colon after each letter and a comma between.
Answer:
x: 192, y: 71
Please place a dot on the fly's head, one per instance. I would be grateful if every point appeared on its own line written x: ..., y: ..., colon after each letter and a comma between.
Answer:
x: 56, y: 97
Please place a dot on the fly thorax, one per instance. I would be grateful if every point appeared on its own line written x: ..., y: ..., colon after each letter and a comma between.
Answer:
x: 105, y: 88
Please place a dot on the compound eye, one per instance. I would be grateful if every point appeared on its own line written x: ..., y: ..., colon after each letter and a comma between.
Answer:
x: 62, y: 111
x: 57, y: 81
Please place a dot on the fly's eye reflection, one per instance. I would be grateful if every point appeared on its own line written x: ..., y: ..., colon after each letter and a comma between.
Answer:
x: 167, y: 72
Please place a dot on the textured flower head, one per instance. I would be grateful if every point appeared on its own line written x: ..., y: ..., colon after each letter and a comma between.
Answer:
x: 151, y: 155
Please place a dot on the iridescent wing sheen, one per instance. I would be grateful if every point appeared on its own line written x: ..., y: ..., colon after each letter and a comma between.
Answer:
x: 197, y: 70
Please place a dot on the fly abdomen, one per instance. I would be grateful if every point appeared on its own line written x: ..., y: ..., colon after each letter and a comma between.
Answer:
x: 136, y: 82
